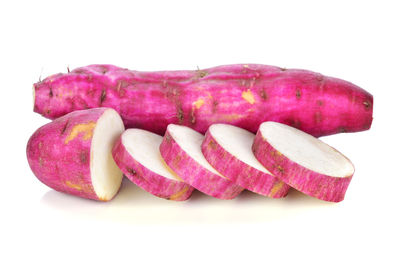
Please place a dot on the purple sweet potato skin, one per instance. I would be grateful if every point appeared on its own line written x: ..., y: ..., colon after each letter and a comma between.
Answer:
x: 195, y: 174
x: 317, y: 185
x: 241, y: 173
x: 148, y: 180
x: 59, y: 153
x: 242, y: 95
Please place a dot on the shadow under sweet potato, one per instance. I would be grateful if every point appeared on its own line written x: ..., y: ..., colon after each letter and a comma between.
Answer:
x: 135, y: 206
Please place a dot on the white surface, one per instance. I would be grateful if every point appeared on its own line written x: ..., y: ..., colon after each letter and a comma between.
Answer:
x: 306, y: 150
x: 237, y: 142
x: 190, y: 141
x: 144, y: 147
x: 106, y: 176
x: 353, y: 40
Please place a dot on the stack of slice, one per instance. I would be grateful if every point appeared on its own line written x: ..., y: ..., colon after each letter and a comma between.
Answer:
x: 85, y: 153
x: 228, y: 149
x: 181, y: 150
x: 137, y: 155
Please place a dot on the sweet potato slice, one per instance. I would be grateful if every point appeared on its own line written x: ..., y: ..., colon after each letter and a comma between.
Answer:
x: 303, y: 161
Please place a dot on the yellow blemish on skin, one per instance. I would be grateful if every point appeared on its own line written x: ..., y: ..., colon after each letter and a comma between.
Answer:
x: 248, y: 96
x: 86, y: 128
x: 198, y: 103
x: 227, y: 118
x: 169, y: 169
x: 212, y: 145
x: 275, y: 153
x: 72, y: 185
x: 176, y: 161
x: 209, y: 96
x: 103, y: 199
x: 179, y: 193
x: 245, y: 66
x: 277, y: 187
x: 280, y: 169
x: 232, y: 117
x: 63, y: 92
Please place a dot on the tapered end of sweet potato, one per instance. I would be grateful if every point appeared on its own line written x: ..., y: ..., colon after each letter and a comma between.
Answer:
x: 42, y: 100
x: 55, y: 96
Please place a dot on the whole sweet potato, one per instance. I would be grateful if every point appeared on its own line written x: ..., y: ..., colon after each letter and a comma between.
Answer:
x: 242, y: 95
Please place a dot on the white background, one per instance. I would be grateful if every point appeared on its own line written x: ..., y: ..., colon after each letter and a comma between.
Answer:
x: 354, y: 40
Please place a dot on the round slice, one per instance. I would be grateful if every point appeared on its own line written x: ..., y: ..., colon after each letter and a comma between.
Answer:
x: 137, y: 154
x: 228, y: 149
x: 303, y: 161
x: 181, y: 150
x: 72, y: 154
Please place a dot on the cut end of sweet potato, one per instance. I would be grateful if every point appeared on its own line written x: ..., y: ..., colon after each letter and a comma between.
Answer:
x: 105, y: 174
x: 306, y: 150
x: 303, y: 161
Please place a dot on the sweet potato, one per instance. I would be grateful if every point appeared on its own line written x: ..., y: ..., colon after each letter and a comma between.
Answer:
x: 244, y: 95
x: 138, y: 156
x: 303, y: 161
x: 181, y: 150
x: 72, y: 154
x: 228, y: 149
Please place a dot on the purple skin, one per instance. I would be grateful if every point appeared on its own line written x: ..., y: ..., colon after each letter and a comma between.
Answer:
x: 195, y: 174
x: 148, y: 180
x: 59, y: 153
x: 242, y: 95
x: 317, y: 185
x: 241, y: 173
